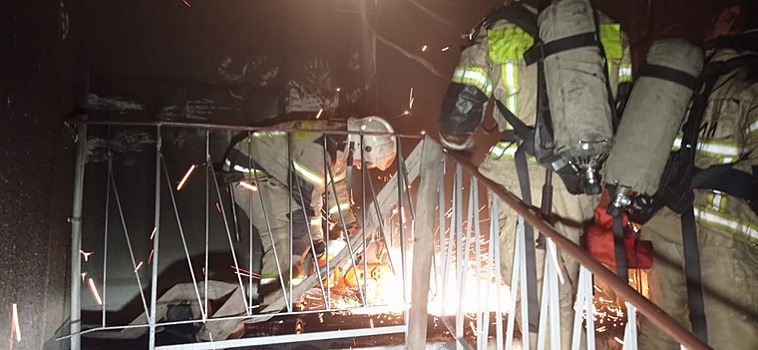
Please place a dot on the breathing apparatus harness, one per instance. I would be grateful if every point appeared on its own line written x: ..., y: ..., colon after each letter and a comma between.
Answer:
x: 681, y: 176
x: 538, y: 140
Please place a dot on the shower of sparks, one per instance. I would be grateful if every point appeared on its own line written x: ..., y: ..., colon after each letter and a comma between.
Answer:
x: 85, y: 255
x: 95, y: 293
x: 410, y: 99
x: 152, y: 234
x: 14, y: 327
x: 186, y: 176
x: 320, y: 111
x: 423, y: 48
x: 445, y: 48
x: 249, y: 186
x: 138, y: 266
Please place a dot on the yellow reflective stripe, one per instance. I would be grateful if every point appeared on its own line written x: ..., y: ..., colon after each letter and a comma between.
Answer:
x: 337, y: 207
x: 726, y: 222
x: 473, y: 76
x: 712, y: 148
x: 610, y: 37
x: 508, y: 43
x: 315, y: 221
x: 507, y: 150
x: 625, y: 72
x: 717, y: 200
x: 307, y: 174
x: 510, y: 73
x: 261, y: 134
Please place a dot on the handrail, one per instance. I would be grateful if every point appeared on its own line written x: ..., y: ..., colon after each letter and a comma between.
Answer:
x: 645, y: 306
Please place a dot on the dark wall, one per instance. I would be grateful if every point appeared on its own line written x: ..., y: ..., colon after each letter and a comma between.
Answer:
x: 40, y: 42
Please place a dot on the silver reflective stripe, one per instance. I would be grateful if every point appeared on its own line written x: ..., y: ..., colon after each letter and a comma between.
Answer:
x: 336, y: 208
x: 753, y: 127
x: 259, y: 134
x: 731, y: 224
x: 242, y: 169
x: 711, y: 148
x: 511, y: 84
x: 473, y: 76
x: 503, y: 149
x: 307, y: 174
x: 316, y: 221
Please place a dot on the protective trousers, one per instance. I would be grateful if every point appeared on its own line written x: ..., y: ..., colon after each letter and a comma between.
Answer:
x: 272, y: 212
x: 729, y: 270
x: 570, y: 214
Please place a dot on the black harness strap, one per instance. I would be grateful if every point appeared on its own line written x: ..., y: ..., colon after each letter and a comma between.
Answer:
x: 669, y: 74
x: 530, y: 253
x: 542, y: 50
x: 692, y: 273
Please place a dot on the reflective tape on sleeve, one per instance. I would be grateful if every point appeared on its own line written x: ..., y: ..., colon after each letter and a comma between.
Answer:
x: 752, y: 126
x: 625, y: 72
x: 726, y: 222
x: 337, y: 207
x: 473, y: 76
x: 308, y: 174
x: 712, y: 148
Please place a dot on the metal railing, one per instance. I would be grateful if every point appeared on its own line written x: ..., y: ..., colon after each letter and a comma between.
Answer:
x: 420, y: 231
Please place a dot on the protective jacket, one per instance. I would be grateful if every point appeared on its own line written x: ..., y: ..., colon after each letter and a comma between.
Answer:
x: 726, y: 225
x: 312, y: 160
x: 492, y: 65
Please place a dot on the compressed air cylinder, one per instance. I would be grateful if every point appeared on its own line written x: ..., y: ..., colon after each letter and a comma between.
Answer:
x: 576, y: 85
x: 653, y: 116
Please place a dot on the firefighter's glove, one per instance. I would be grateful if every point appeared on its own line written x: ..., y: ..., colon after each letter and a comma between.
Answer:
x: 319, y: 247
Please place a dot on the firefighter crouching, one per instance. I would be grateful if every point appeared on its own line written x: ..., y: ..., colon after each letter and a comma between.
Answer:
x: 314, y: 163
x: 493, y: 65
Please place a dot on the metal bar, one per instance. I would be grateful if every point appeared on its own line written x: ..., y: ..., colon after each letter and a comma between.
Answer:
x: 184, y: 240
x: 648, y: 308
x: 76, y: 235
x: 363, y: 218
x: 401, y: 218
x: 156, y: 239
x: 129, y: 245
x: 287, y: 338
x: 231, y: 244
x: 495, y: 237
x: 207, y: 211
x: 238, y: 127
x: 106, y: 230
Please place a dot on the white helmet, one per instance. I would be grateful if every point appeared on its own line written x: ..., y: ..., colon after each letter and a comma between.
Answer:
x: 379, y: 145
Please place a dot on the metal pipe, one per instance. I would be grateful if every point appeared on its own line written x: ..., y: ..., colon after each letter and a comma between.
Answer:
x: 76, y: 235
x: 156, y: 239
x: 654, y: 313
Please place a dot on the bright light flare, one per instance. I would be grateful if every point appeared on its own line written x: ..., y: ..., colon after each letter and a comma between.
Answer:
x: 152, y: 234
x: 187, y: 3
x: 95, y: 293
x: 14, y: 327
x: 424, y: 48
x: 445, y: 48
x: 250, y: 186
x: 186, y: 176
x: 320, y: 111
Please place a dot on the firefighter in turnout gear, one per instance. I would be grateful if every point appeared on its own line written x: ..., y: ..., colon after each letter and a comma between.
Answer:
x: 492, y: 66
x: 725, y: 226
x: 294, y: 179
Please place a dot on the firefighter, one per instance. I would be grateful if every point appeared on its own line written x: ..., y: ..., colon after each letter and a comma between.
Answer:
x: 492, y: 66
x: 293, y: 179
x: 725, y: 224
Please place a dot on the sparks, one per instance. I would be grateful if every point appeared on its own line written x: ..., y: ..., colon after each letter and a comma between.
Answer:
x: 423, y: 48
x: 186, y: 176
x: 95, y: 293
x: 152, y: 234
x: 186, y: 3
x: 85, y: 254
x: 150, y: 257
x: 318, y: 115
x: 84, y: 274
x: 250, y: 186
x: 138, y: 266
x: 218, y: 207
x: 15, y: 328
x: 339, y: 89
x: 410, y: 99
x: 617, y: 339
x: 445, y: 48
